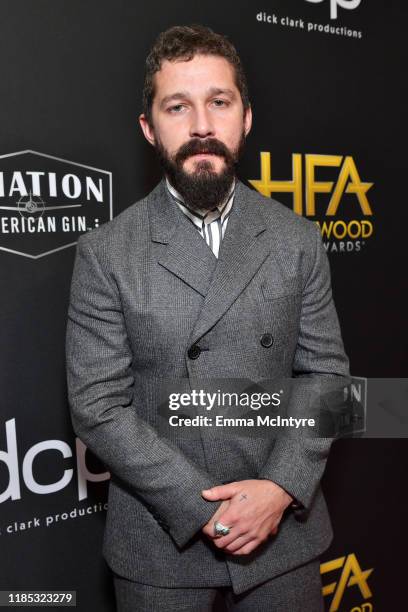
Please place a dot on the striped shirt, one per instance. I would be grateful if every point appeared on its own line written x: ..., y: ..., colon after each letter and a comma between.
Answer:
x: 211, y: 224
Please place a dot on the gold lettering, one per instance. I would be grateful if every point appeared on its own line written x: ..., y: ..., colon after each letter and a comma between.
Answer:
x: 351, y: 575
x: 349, y: 172
x: 267, y: 186
x: 313, y: 186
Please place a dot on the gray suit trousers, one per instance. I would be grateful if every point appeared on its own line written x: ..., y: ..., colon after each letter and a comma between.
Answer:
x: 299, y: 590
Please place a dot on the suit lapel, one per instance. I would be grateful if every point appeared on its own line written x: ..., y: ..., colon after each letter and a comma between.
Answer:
x: 244, y: 248
x: 186, y: 254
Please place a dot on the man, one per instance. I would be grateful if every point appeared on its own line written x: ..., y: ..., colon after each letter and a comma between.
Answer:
x: 204, y: 279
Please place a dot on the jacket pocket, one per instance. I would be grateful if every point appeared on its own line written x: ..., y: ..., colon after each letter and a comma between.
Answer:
x: 277, y: 291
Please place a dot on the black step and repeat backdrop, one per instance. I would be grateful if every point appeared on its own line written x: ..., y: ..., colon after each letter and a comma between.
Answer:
x: 327, y: 84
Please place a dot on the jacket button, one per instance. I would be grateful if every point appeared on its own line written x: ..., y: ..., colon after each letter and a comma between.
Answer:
x: 267, y: 340
x: 301, y: 515
x: 194, y: 351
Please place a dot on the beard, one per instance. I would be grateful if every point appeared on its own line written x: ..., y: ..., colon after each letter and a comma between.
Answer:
x: 203, y: 188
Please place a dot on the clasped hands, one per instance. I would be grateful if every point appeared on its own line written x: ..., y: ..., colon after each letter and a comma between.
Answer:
x: 251, y: 508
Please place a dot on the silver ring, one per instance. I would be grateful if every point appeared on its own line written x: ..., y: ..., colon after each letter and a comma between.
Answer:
x: 220, y: 529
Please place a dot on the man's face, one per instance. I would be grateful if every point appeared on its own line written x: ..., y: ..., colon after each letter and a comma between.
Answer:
x: 198, y: 126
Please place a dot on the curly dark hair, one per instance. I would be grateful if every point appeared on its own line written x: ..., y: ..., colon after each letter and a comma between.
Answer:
x: 183, y: 43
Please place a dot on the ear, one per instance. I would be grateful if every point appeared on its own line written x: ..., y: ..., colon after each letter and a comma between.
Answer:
x: 247, y: 120
x: 147, y: 129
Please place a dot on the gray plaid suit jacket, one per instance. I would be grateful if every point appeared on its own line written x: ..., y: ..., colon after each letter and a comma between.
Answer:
x: 145, y: 288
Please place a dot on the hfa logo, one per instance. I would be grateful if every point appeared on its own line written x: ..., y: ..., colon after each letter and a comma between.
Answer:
x: 345, y: 4
x: 47, y: 202
x: 351, y: 575
x: 345, y: 196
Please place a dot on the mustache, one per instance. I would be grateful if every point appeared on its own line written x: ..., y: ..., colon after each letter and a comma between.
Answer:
x: 196, y: 145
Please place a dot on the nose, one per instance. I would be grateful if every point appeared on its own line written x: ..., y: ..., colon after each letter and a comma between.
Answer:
x: 201, y: 124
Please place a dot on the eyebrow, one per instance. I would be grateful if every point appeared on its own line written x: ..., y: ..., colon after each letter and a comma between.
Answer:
x: 182, y: 95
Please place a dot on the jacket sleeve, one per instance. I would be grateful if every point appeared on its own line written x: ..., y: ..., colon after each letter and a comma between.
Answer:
x: 320, y: 370
x: 100, y: 393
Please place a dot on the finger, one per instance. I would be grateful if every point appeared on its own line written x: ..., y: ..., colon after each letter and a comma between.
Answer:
x: 220, y: 492
x: 247, y: 548
x: 238, y: 543
x: 230, y: 517
x: 208, y: 530
x: 222, y: 541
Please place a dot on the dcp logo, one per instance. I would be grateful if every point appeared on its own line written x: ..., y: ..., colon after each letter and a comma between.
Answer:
x: 346, y: 4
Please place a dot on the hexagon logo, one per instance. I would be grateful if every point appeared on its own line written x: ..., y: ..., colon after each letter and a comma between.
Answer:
x: 47, y: 202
